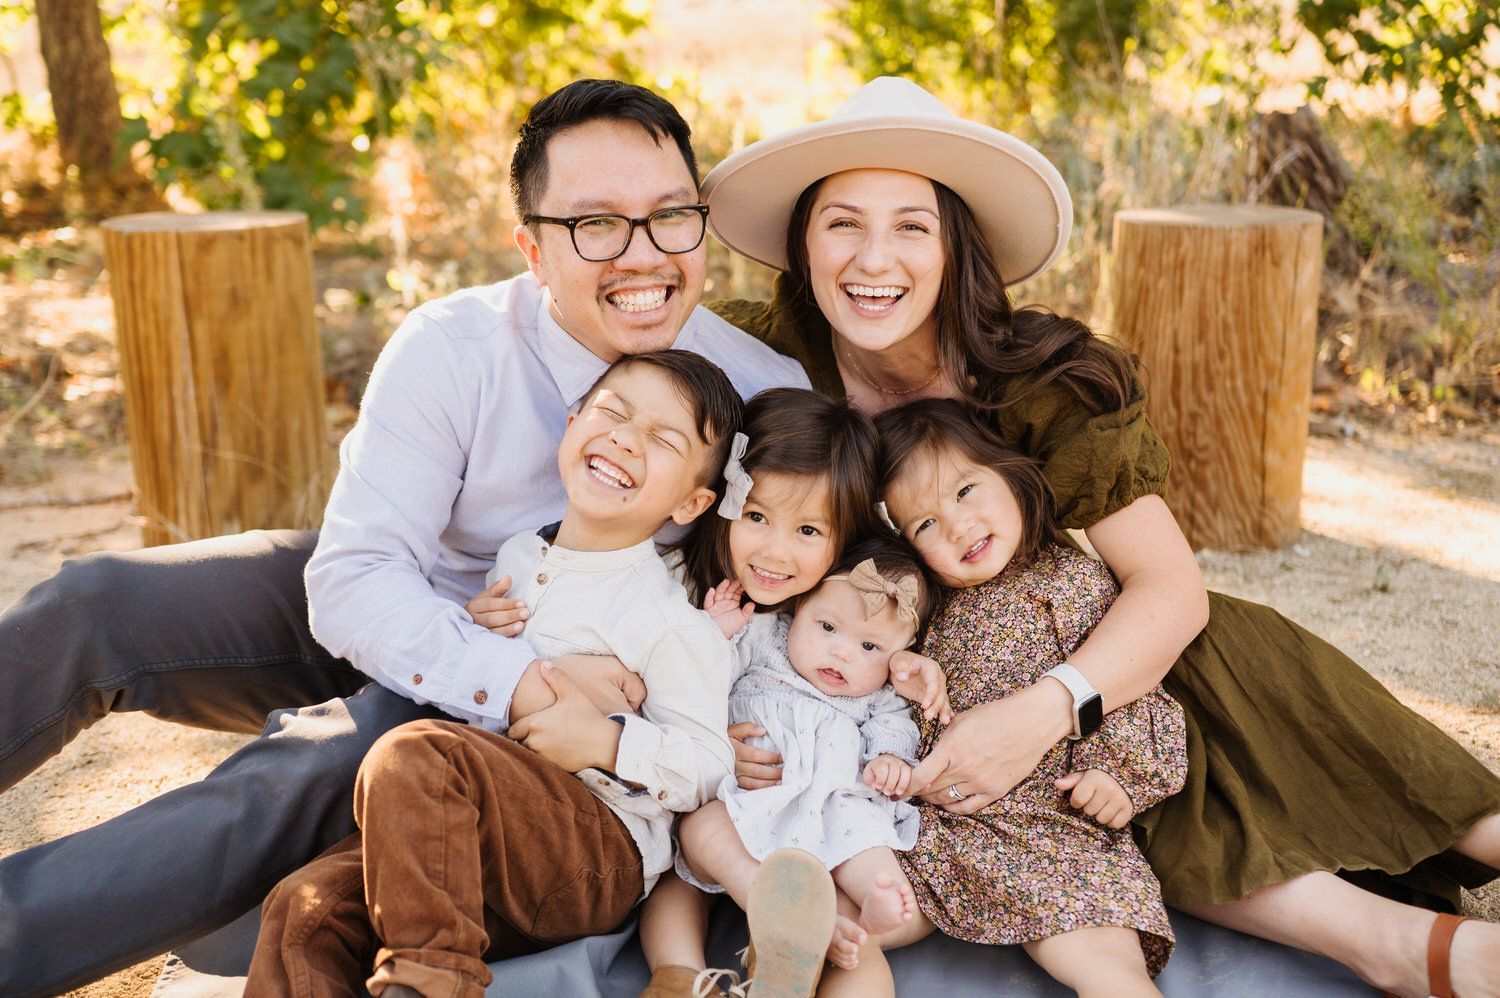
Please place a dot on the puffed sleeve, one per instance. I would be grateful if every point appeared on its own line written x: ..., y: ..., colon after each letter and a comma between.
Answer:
x: 1097, y: 464
x: 889, y: 730
x: 1143, y: 745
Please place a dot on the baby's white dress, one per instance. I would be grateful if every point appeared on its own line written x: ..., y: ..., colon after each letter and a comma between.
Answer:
x: 822, y: 804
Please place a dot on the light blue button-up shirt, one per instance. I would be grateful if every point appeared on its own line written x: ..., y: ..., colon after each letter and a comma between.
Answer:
x: 455, y: 450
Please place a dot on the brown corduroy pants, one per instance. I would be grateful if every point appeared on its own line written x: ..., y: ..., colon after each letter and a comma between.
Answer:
x: 471, y: 847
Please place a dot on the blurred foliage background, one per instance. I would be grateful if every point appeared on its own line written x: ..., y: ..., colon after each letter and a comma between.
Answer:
x: 391, y: 123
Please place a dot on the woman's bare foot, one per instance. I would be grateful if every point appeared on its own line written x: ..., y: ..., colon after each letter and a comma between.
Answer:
x: 848, y: 937
x: 887, y: 906
x: 1475, y: 960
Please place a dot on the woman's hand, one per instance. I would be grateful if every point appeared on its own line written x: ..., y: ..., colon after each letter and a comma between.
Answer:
x: 754, y: 769
x: 988, y: 749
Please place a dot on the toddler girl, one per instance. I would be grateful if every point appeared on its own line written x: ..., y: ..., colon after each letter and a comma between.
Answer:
x: 1051, y: 865
x: 802, y: 485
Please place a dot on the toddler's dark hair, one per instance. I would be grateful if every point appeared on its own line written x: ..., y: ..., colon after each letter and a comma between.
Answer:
x: 894, y: 559
x: 931, y: 426
x: 794, y: 431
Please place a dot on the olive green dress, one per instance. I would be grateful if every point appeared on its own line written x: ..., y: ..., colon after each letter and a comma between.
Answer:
x: 1298, y: 759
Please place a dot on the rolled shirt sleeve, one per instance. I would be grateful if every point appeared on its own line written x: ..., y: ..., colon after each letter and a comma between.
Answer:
x: 678, y: 749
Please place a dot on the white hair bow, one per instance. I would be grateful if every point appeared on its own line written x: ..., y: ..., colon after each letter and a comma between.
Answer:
x: 737, y: 481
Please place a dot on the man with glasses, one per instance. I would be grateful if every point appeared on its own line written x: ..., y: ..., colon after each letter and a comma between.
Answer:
x: 454, y: 451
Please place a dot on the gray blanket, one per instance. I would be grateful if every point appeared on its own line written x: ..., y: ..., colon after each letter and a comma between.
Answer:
x: 1209, y: 962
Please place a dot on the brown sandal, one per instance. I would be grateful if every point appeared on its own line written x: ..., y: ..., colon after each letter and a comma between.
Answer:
x: 1439, y: 951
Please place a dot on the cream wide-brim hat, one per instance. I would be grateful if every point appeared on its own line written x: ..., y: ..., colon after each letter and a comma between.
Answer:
x: 1016, y: 194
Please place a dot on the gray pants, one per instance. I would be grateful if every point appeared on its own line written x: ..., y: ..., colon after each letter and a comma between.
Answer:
x: 213, y: 634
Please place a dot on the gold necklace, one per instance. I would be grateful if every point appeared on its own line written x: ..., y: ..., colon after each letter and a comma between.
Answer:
x: 881, y: 388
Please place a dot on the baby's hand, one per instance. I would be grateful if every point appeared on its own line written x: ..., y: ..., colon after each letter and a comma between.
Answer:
x: 1100, y: 796
x: 921, y: 680
x: 492, y: 610
x: 889, y: 774
x: 723, y: 604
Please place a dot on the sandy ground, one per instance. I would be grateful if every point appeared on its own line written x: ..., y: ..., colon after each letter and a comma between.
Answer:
x: 1399, y: 564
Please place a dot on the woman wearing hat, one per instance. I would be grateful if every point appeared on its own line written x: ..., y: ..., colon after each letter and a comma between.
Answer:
x: 896, y: 227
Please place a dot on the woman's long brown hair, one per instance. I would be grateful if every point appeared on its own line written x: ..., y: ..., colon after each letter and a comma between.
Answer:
x: 981, y: 337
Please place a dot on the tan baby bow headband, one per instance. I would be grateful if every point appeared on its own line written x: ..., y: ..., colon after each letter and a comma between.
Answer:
x: 875, y: 589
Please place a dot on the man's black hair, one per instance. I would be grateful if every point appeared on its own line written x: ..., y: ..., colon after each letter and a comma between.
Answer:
x: 576, y: 104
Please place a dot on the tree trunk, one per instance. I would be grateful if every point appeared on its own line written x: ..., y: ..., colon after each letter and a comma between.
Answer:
x: 1221, y: 304
x: 86, y: 105
x: 222, y: 369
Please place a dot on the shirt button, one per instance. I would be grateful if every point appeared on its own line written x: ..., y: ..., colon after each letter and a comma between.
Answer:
x: 481, y: 696
x: 544, y: 549
x: 661, y: 795
x: 416, y: 680
x: 603, y: 782
x: 541, y: 579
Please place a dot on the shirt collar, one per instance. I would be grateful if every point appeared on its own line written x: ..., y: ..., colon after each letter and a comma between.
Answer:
x: 598, y: 561
x: 573, y: 366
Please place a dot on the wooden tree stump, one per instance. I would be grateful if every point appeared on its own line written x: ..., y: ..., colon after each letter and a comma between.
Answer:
x: 1221, y: 304
x: 222, y: 371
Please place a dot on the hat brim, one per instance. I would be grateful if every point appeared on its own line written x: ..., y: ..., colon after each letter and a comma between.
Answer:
x: 1017, y: 196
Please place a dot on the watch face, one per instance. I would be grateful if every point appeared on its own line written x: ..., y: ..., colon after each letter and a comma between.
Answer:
x: 1090, y: 715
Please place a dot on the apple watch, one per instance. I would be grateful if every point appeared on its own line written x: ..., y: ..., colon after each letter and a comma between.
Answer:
x: 1088, y: 705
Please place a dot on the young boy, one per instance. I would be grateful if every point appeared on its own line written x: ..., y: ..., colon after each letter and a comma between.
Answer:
x: 469, y: 845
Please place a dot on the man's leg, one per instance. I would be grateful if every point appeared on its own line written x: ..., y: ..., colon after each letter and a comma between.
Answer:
x: 191, y: 860
x: 212, y: 633
x: 475, y: 844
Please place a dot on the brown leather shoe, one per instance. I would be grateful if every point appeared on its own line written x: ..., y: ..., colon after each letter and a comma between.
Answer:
x: 672, y: 980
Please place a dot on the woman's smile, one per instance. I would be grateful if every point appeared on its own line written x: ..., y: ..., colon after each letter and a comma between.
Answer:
x: 875, y: 256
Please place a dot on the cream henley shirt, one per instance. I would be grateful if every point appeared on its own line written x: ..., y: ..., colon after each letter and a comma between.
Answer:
x: 625, y: 603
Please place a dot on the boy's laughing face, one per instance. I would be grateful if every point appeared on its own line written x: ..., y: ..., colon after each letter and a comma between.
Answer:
x: 632, y: 458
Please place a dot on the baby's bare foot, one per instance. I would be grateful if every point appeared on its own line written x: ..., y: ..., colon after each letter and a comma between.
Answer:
x: 848, y: 937
x: 887, y: 906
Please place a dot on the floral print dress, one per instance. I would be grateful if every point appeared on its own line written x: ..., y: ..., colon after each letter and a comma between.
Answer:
x: 1029, y: 866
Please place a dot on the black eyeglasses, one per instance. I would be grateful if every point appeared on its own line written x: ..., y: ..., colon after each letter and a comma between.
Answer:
x: 598, y: 238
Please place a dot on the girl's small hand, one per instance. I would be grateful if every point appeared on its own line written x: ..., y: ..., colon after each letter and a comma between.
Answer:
x: 888, y: 774
x: 921, y: 680
x: 1100, y: 796
x: 492, y: 610
x: 722, y: 603
x: 754, y: 769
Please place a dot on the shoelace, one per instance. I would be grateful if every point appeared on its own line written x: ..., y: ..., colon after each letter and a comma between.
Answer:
x: 706, y: 984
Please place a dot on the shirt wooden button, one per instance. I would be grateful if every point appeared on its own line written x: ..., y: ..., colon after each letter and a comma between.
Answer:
x: 661, y: 795
x: 541, y: 579
x: 481, y: 696
x: 603, y: 782
x: 416, y: 680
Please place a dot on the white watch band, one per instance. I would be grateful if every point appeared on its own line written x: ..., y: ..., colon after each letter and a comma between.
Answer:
x: 1078, y: 687
x: 1074, y: 680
